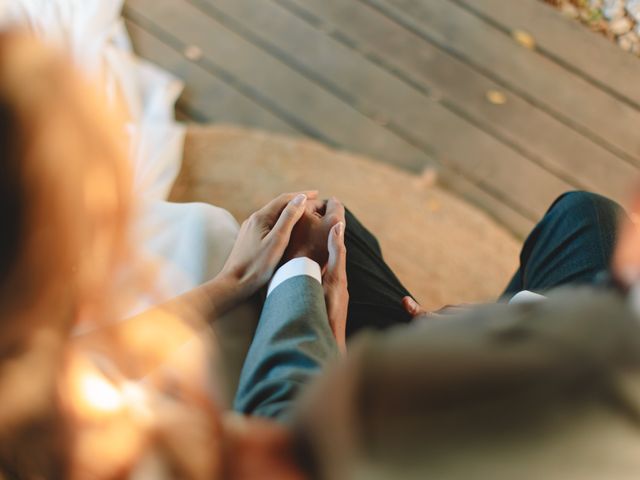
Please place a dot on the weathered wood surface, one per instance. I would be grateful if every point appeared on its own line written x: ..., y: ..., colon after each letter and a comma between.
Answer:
x: 405, y: 82
x: 539, y: 136
x: 567, y: 41
x: 313, y: 110
x: 543, y: 82
x: 206, y: 98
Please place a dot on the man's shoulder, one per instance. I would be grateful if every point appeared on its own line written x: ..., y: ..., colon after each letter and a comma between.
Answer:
x: 572, y: 322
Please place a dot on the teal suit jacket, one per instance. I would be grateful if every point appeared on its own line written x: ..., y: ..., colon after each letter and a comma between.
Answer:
x: 292, y: 343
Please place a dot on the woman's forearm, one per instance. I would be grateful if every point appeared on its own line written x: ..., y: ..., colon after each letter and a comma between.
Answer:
x: 140, y: 344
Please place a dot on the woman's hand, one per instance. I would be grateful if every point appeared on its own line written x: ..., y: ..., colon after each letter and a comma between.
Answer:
x: 334, y: 282
x: 261, y: 242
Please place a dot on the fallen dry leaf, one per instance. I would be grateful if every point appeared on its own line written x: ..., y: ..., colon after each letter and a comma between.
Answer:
x: 496, y: 97
x: 524, y: 38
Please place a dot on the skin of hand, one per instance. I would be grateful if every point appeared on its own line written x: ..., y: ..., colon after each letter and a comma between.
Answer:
x: 309, y: 237
x: 319, y: 235
x: 626, y: 257
x: 334, y: 283
x: 261, y: 243
x: 414, y: 309
x: 258, y: 449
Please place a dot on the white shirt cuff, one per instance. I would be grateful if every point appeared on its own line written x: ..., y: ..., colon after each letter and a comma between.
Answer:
x: 294, y: 268
x: 525, y: 296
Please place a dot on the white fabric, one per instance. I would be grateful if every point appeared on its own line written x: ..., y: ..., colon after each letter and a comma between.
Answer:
x: 188, y: 242
x: 525, y: 296
x: 294, y: 268
x: 634, y: 298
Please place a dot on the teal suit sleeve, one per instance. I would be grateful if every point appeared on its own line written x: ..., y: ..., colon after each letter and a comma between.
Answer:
x: 291, y: 344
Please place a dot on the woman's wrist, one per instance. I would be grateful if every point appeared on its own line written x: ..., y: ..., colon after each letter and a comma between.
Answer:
x: 226, y: 291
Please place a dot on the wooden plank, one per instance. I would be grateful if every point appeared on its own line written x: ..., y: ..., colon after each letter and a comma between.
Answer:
x: 513, y: 220
x: 475, y: 195
x: 528, y: 73
x: 532, y: 131
x: 353, y: 78
x: 317, y: 112
x: 569, y: 42
x: 205, y: 98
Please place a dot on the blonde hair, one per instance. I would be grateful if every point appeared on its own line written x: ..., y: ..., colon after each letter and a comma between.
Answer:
x: 64, y: 209
x: 67, y: 160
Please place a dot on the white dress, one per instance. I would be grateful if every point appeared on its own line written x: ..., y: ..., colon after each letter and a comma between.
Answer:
x: 189, y: 242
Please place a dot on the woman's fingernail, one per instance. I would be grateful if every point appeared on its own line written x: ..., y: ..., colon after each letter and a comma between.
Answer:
x: 300, y: 199
x: 339, y: 229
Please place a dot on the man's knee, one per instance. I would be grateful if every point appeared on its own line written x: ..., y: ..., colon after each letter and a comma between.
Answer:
x: 355, y: 228
x: 587, y: 206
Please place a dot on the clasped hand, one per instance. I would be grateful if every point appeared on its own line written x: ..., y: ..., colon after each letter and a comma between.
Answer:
x: 290, y: 226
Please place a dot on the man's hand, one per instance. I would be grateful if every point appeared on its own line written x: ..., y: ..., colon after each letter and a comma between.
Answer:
x: 261, y: 242
x: 626, y: 257
x: 319, y: 235
x: 414, y: 309
x: 309, y: 237
x: 334, y: 282
x: 259, y: 449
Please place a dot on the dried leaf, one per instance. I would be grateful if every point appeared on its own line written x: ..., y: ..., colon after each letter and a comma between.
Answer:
x: 524, y: 38
x: 496, y: 97
x: 434, y: 205
x: 193, y: 53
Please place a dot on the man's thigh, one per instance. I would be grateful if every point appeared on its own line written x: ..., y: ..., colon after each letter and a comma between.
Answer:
x: 375, y: 293
x: 572, y: 244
